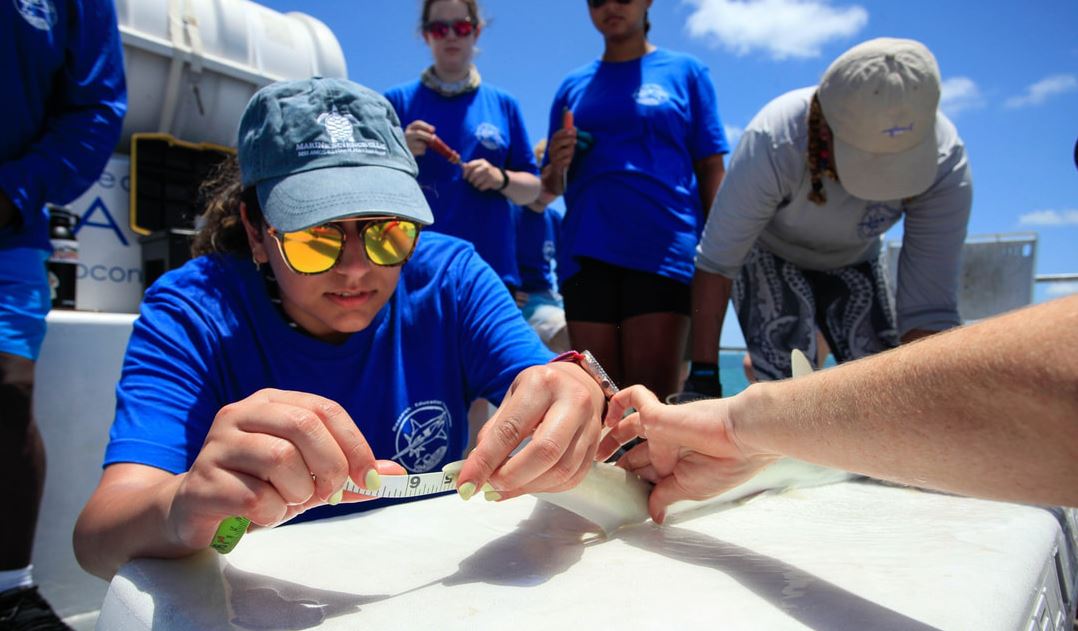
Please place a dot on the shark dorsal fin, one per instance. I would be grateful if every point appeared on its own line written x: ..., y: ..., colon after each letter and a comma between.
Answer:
x: 800, y: 364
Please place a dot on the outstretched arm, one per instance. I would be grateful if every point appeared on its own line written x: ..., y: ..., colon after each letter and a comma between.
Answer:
x: 989, y: 410
x: 268, y: 457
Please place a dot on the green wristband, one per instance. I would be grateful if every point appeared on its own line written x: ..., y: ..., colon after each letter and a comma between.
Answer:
x: 229, y: 533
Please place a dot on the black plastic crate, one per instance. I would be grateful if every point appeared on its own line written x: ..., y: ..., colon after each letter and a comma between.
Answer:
x: 166, y: 174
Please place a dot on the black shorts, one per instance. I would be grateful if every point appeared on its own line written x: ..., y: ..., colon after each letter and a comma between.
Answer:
x: 601, y: 292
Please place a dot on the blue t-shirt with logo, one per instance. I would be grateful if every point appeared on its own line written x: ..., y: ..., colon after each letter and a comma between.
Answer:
x: 486, y: 123
x: 632, y: 198
x: 208, y: 336
x: 63, y: 64
x: 537, y: 246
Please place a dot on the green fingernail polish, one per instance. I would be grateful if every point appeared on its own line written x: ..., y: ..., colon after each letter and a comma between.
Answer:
x: 466, y: 490
x: 487, y: 487
x: 336, y: 498
x: 492, y: 496
x: 372, y: 481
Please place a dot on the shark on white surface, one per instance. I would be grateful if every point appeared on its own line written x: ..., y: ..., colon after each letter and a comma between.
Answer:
x: 612, y: 497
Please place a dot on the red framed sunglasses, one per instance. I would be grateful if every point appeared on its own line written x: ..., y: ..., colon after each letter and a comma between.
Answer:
x: 439, y: 29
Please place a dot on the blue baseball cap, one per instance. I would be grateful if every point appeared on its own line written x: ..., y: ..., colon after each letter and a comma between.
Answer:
x: 319, y: 150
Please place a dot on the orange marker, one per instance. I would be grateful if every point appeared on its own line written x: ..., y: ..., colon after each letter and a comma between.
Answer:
x: 442, y: 149
x: 566, y: 123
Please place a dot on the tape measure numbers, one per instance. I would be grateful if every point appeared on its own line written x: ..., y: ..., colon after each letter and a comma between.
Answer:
x: 415, y: 485
x: 232, y: 529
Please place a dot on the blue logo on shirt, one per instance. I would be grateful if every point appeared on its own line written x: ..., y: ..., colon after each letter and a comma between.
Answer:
x: 40, y: 14
x: 651, y: 94
x: 877, y: 219
x: 489, y: 136
x: 549, y: 251
x: 422, y: 436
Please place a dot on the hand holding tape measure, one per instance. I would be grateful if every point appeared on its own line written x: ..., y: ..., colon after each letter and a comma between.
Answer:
x: 298, y: 480
x: 269, y: 457
x: 232, y: 529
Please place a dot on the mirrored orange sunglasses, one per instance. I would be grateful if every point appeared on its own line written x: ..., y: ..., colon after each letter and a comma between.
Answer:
x: 387, y: 241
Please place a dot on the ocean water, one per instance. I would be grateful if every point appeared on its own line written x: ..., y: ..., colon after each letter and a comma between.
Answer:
x: 733, y: 375
x: 731, y: 372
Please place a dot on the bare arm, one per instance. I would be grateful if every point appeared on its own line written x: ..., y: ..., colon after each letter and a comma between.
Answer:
x: 268, y: 458
x: 125, y: 518
x: 539, y: 206
x: 523, y: 189
x: 710, y: 295
x: 989, y: 410
x: 709, y: 174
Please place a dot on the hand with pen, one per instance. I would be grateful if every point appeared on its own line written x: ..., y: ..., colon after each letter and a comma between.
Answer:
x: 562, y: 149
x: 480, y: 173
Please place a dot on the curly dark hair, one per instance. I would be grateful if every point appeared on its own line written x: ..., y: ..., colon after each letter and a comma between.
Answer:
x: 820, y: 162
x: 222, y: 228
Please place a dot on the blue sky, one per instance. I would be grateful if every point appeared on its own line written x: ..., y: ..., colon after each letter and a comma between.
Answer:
x: 1010, y: 74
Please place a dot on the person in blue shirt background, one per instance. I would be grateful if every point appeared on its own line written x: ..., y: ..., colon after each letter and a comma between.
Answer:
x: 471, y: 200
x: 315, y: 333
x: 62, y: 63
x: 638, y: 190
x: 537, y: 245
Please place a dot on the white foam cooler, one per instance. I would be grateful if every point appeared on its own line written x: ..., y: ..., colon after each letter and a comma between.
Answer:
x: 192, y: 65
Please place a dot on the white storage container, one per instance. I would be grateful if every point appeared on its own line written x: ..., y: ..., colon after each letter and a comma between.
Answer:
x: 192, y: 65
x: 109, y: 276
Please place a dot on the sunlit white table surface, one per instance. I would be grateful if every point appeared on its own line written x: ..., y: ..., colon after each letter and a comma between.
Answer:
x: 855, y: 555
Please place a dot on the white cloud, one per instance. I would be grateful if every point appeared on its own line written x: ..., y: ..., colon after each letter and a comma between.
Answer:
x: 1042, y: 90
x: 733, y: 134
x: 780, y: 28
x: 958, y: 94
x: 1050, y: 218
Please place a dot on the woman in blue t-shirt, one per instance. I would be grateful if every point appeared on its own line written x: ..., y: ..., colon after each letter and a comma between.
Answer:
x: 315, y: 339
x: 636, y: 147
x: 481, y: 159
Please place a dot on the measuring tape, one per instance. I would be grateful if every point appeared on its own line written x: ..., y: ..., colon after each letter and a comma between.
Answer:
x: 232, y: 529
x: 415, y: 485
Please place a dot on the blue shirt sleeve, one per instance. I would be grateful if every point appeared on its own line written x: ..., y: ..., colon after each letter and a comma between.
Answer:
x: 708, y: 135
x: 497, y: 342
x: 85, y: 119
x: 521, y: 156
x: 165, y: 402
